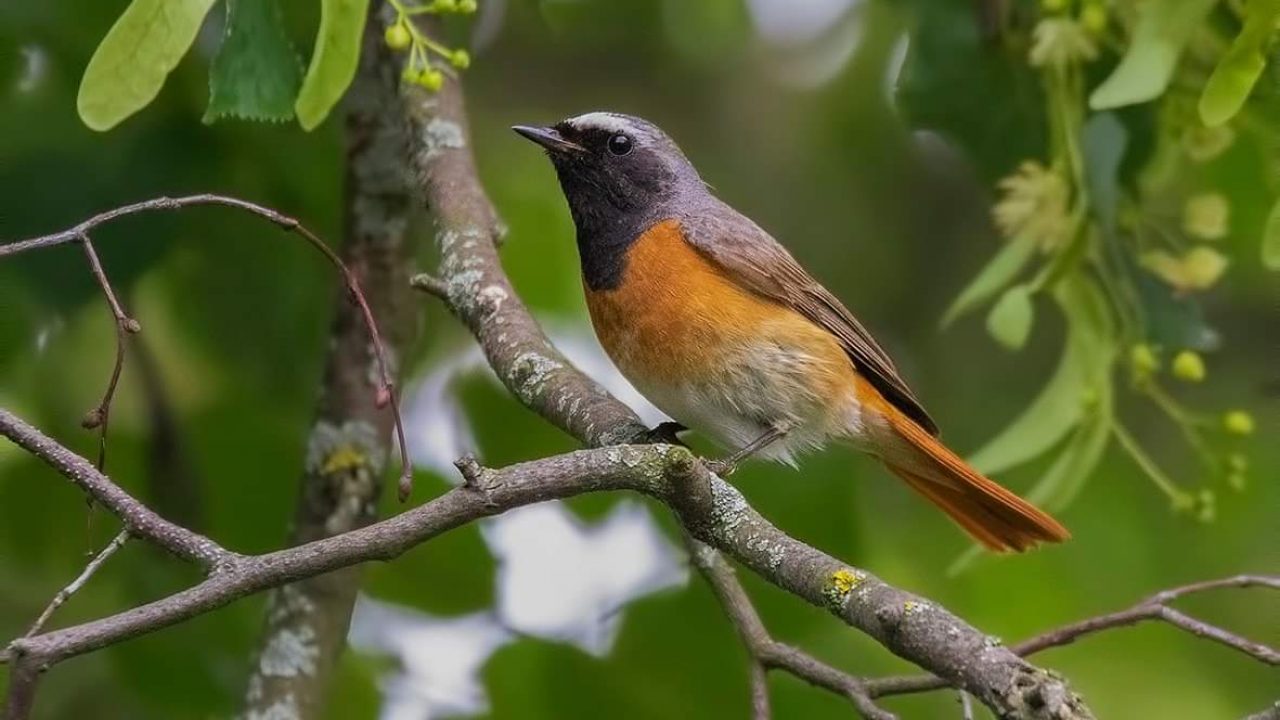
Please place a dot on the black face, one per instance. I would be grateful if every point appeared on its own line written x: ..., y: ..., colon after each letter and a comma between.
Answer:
x: 620, y: 174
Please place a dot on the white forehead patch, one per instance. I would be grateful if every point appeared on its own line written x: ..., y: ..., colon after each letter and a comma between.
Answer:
x: 609, y: 122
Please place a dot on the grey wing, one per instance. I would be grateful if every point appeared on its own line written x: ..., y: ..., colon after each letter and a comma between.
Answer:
x: 752, y: 257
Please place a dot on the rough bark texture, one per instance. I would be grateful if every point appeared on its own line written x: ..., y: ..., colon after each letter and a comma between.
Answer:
x: 306, y: 622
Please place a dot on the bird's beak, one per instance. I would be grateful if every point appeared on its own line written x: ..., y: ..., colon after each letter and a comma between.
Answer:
x: 548, y: 138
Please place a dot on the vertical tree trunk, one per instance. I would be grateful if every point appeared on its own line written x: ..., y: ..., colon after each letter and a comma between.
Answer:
x: 306, y: 623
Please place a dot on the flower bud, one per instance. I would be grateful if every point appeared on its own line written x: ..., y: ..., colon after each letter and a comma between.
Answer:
x: 1093, y: 17
x: 1238, y: 422
x: 1188, y: 366
x: 397, y: 36
x: 431, y: 79
x: 460, y: 59
x: 1143, y: 361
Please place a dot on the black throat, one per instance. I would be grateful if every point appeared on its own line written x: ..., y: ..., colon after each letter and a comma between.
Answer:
x: 608, y: 224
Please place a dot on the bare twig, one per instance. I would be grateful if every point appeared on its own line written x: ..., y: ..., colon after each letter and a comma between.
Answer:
x: 760, y: 709
x: 386, y: 391
x: 1154, y: 607
x: 100, y: 416
x: 138, y: 519
x: 763, y: 652
x: 66, y: 592
x: 430, y: 284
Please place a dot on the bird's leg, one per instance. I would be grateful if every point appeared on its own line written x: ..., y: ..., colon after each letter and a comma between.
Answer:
x: 667, y: 433
x: 725, y: 466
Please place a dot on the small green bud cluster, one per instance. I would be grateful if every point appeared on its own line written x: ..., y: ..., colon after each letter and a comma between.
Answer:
x: 403, y: 35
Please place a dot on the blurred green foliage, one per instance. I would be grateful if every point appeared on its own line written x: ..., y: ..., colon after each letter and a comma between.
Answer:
x: 893, y: 221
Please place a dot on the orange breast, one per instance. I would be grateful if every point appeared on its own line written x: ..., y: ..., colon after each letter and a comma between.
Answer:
x: 676, y: 318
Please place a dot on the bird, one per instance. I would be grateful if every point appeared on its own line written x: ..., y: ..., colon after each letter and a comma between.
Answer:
x: 719, y: 326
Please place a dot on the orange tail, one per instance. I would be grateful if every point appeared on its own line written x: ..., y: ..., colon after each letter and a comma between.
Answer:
x: 993, y: 515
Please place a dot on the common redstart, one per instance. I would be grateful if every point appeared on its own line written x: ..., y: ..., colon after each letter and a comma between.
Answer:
x: 719, y: 326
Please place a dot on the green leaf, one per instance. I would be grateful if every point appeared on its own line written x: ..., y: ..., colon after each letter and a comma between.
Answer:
x: 993, y: 277
x: 1163, y: 29
x: 1241, y: 66
x: 137, y: 54
x: 1271, y: 239
x: 1058, y: 407
x: 333, y: 64
x: 1062, y: 482
x: 256, y: 72
x: 1082, y: 380
x: 1010, y: 320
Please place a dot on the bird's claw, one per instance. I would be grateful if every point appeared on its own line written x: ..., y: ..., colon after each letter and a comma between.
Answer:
x: 666, y: 433
x: 721, y: 468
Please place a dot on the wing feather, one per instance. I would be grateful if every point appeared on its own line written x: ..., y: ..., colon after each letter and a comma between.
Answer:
x: 752, y: 257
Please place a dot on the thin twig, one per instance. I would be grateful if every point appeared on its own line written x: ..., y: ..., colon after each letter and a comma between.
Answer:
x: 100, y: 416
x: 1154, y: 607
x: 65, y: 593
x: 763, y: 652
x: 385, y: 396
x: 137, y: 517
x: 431, y: 285
x: 760, y: 709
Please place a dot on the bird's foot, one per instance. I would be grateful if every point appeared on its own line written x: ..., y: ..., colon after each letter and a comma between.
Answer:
x: 722, y: 468
x: 667, y: 433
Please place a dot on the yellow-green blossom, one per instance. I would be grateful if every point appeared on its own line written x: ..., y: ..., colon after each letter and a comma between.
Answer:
x: 1034, y: 203
x: 1206, y: 216
x: 1206, y: 143
x: 1199, y: 269
x: 1060, y: 41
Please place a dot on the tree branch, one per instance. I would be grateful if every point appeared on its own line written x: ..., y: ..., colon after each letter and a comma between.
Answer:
x: 1154, y: 607
x: 138, y: 519
x: 116, y: 543
x: 763, y: 652
x: 385, y: 394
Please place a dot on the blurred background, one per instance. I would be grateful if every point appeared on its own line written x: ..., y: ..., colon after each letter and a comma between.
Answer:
x: 586, y: 609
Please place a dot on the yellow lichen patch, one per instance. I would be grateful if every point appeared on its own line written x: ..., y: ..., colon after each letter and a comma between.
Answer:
x: 911, y: 606
x: 839, y: 584
x: 844, y: 580
x: 343, y: 458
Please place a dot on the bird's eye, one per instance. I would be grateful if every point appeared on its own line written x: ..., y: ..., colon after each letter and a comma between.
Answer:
x: 619, y: 144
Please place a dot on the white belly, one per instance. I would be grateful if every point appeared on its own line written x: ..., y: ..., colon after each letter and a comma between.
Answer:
x: 750, y: 394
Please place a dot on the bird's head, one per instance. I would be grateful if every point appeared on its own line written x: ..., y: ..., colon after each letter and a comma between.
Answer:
x: 614, y: 167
